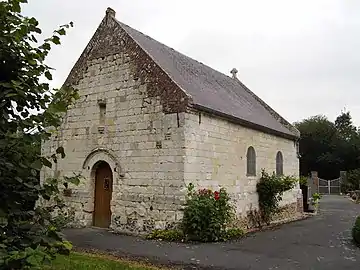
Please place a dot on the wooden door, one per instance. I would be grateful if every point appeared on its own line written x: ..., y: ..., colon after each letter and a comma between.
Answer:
x: 103, y: 192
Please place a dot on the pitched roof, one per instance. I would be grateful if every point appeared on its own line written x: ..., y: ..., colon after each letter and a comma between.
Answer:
x: 212, y: 90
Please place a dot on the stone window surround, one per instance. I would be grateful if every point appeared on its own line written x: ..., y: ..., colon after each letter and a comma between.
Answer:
x: 279, y: 164
x: 251, y: 161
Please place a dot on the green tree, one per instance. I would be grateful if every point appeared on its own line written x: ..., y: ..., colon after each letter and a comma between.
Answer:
x: 349, y: 141
x: 316, y: 146
x: 28, y: 110
x: 328, y: 147
x: 353, y: 180
x: 344, y: 125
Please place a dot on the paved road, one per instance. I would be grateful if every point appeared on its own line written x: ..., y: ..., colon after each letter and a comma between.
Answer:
x: 320, y: 242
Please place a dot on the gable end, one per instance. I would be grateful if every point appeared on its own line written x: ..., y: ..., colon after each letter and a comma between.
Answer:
x: 111, y: 39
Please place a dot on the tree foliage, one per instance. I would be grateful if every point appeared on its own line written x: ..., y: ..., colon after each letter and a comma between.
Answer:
x: 28, y: 110
x: 353, y: 180
x: 329, y: 147
x: 345, y: 128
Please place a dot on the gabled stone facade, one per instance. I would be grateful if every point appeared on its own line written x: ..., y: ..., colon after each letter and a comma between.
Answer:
x: 134, y: 117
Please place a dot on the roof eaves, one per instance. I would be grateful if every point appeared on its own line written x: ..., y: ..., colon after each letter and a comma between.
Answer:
x: 245, y: 123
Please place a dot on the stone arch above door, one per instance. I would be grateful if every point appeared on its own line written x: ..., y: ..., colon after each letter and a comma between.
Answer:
x: 103, y: 154
x: 94, y: 157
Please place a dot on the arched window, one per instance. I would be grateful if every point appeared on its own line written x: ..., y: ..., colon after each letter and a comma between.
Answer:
x: 279, y: 164
x: 251, y: 161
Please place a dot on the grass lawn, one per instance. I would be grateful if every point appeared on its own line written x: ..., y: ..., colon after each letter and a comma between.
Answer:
x: 82, y: 261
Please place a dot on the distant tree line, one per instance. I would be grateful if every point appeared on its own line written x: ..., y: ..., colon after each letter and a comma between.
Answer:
x: 330, y: 147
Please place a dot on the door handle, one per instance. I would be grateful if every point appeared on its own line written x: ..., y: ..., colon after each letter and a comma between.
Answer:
x: 106, y: 183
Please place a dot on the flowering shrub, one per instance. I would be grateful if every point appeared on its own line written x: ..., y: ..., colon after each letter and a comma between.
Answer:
x: 270, y: 189
x: 206, y: 215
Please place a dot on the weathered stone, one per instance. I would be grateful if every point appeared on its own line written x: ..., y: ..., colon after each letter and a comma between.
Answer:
x: 152, y: 140
x: 219, y: 150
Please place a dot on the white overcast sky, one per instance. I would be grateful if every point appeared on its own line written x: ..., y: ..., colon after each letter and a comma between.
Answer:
x: 302, y: 57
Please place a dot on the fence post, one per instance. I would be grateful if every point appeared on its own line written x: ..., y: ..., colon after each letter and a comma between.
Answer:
x: 343, y: 179
x: 314, y: 183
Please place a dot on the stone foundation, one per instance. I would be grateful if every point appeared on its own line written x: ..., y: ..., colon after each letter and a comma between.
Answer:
x: 141, y: 218
x: 140, y: 223
x: 252, y: 220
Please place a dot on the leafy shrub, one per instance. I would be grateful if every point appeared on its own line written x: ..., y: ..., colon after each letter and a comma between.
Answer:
x: 356, y: 231
x: 233, y: 233
x: 168, y: 235
x: 316, y: 197
x: 270, y: 189
x: 303, y: 180
x: 206, y: 214
x: 29, y: 234
x: 63, y: 217
x: 352, y: 180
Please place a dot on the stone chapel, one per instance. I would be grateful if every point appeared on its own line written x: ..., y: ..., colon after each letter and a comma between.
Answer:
x: 151, y: 120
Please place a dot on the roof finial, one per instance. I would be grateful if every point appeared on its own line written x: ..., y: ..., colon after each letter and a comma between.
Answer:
x: 110, y: 12
x: 234, y: 71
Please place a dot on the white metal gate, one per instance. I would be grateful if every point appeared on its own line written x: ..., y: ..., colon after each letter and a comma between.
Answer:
x: 329, y: 186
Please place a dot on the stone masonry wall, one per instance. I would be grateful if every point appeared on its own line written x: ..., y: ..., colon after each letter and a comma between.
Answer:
x: 151, y: 144
x: 143, y: 146
x: 216, y: 156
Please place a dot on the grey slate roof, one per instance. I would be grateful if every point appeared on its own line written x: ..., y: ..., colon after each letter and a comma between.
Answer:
x: 211, y: 90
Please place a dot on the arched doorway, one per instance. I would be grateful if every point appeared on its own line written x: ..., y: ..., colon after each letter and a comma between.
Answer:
x: 103, y: 193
